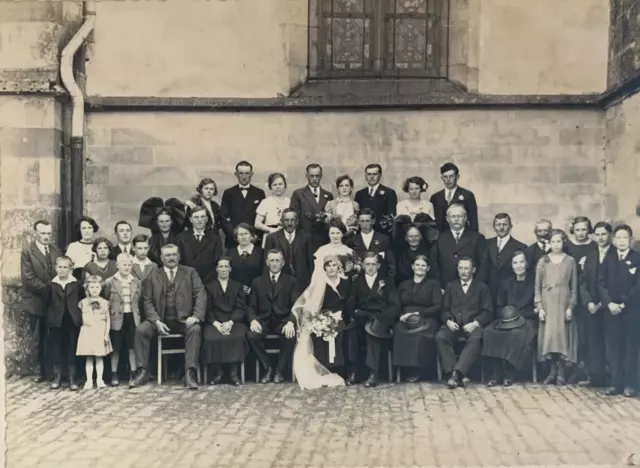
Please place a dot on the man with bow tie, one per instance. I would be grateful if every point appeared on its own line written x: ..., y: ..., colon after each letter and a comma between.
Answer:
x: 310, y: 200
x: 457, y: 242
x: 541, y: 247
x: 500, y: 250
x: 199, y: 248
x: 124, y: 234
x: 239, y: 203
x: 271, y: 301
x: 380, y: 199
x: 453, y: 193
x: 467, y: 308
x: 37, y: 261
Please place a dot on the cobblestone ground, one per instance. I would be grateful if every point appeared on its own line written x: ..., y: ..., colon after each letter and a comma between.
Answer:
x: 281, y: 426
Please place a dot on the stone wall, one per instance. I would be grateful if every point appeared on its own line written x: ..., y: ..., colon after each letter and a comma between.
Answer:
x: 530, y: 163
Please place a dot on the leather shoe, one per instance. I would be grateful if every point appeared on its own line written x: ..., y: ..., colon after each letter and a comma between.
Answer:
x: 278, y: 378
x: 412, y: 379
x: 39, y: 379
x: 585, y: 383
x: 351, y: 379
x: 629, y: 392
x: 507, y: 383
x: 57, y: 380
x: 492, y: 383
x: 611, y: 391
x: 268, y: 376
x: 372, y: 381
x: 140, y: 379
x: 560, y: 381
x: 73, y: 383
x: 189, y: 380
x: 235, y: 380
x: 454, y: 381
x: 216, y: 378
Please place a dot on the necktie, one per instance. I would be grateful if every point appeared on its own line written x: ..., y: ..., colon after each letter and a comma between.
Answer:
x: 449, y: 196
x: 457, y: 236
x: 244, y: 190
x: 464, y: 287
x: 198, y: 237
x: 621, y: 257
x: 290, y: 238
x: 500, y: 242
x: 172, y: 275
x: 48, y: 259
x: 273, y: 280
x: 316, y: 195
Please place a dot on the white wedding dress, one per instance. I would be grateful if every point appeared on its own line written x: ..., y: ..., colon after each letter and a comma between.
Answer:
x: 308, y: 371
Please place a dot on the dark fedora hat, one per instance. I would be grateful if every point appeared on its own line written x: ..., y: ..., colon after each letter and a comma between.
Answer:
x: 378, y: 329
x: 416, y: 324
x: 509, y: 319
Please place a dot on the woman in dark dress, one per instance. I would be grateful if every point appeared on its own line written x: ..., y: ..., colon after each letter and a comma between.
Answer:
x: 508, y: 346
x: 223, y: 341
x: 207, y: 189
x: 408, y: 248
x: 165, y: 220
x: 336, y: 293
x: 414, y: 333
x: 247, y: 259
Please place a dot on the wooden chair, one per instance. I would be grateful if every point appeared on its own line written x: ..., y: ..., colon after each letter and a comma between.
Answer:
x: 163, y: 353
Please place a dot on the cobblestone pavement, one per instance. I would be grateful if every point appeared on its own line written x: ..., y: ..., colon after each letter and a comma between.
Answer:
x: 281, y: 426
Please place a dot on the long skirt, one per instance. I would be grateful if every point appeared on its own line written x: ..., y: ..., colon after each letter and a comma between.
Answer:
x: 224, y: 349
x: 321, y: 351
x: 514, y: 346
x: 414, y: 349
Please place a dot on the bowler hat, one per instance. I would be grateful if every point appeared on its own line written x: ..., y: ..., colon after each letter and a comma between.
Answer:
x: 509, y: 319
x: 416, y: 324
x: 377, y: 329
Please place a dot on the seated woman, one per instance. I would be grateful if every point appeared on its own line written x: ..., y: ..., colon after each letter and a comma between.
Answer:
x: 247, y: 259
x: 414, y: 333
x: 223, y: 337
x: 165, y: 219
x: 508, y: 343
x: 336, y: 247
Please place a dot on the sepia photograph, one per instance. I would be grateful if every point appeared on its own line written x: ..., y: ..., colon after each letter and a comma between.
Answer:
x: 320, y: 233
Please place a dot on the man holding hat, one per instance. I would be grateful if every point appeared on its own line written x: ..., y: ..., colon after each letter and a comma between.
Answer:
x: 466, y: 309
x: 376, y: 306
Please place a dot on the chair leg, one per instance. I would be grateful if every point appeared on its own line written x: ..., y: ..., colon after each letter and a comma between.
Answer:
x: 204, y: 374
x: 159, y: 362
x: 390, y: 365
x: 398, y: 377
x: 439, y: 369
x: 481, y: 370
x: 242, y: 372
x: 257, y: 370
x: 199, y: 374
x: 534, y: 369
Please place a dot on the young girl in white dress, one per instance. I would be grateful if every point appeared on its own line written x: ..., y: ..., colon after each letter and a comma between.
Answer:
x: 270, y: 209
x: 94, y: 341
x: 343, y: 207
x: 337, y: 230
x: 415, y: 187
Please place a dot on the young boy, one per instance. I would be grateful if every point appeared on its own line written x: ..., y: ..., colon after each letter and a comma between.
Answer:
x: 122, y: 291
x: 142, y: 265
x: 64, y: 320
x: 619, y: 291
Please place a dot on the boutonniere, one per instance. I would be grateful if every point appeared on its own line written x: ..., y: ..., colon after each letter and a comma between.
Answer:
x: 628, y: 262
x: 381, y: 192
x: 632, y: 270
x: 461, y: 197
x: 256, y: 202
x: 326, y: 196
x: 381, y: 285
x: 376, y: 242
x: 582, y: 261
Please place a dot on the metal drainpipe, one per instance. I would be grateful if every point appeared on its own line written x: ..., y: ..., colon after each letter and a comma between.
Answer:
x: 76, y: 162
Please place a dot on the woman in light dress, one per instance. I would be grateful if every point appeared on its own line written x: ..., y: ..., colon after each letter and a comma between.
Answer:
x: 81, y: 252
x: 336, y: 247
x: 415, y: 187
x: 556, y: 296
x: 343, y: 206
x: 269, y: 210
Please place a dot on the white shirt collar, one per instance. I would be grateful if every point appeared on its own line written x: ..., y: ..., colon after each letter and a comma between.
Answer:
x: 319, y: 190
x: 168, y: 270
x: 374, y: 187
x: 42, y: 247
x: 198, y: 233
x: 370, y: 279
x: 244, y: 187
x: 248, y: 249
x: 63, y: 283
x: 468, y: 282
x: 119, y: 277
x: 277, y: 275
x: 142, y: 263
x: 605, y: 249
x: 623, y: 254
x: 542, y: 246
x: 460, y: 232
x: 289, y: 236
x: 503, y: 240
x: 451, y: 192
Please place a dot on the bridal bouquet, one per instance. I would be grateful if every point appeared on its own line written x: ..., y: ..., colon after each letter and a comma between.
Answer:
x: 325, y: 325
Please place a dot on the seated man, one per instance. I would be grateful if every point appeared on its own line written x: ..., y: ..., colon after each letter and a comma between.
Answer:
x: 174, y: 301
x: 270, y: 302
x: 466, y: 309
x: 376, y: 306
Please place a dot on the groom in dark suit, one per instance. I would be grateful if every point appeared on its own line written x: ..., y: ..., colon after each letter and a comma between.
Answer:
x: 380, y: 199
x: 296, y: 246
x: 199, y: 248
x: 457, y: 242
x: 37, y: 269
x: 368, y: 240
x: 309, y: 201
x: 270, y: 302
x: 239, y: 203
x: 452, y: 193
x: 500, y: 250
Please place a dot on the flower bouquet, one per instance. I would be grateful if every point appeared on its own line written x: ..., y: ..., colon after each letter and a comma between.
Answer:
x: 325, y: 325
x: 352, y: 266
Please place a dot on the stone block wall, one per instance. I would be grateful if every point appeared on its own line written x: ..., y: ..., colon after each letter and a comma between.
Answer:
x: 530, y: 163
x: 31, y: 178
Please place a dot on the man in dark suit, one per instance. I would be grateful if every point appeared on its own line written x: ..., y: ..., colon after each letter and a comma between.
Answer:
x: 199, y: 248
x: 369, y: 240
x: 455, y: 243
x: 270, y: 302
x: 500, y: 250
x: 591, y: 301
x: 239, y: 203
x: 124, y: 234
x: 373, y: 300
x: 295, y: 244
x: 378, y: 198
x: 619, y: 291
x: 541, y: 247
x: 37, y: 269
x: 174, y: 302
x: 467, y: 308
x: 452, y: 193
x: 308, y: 201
